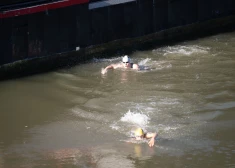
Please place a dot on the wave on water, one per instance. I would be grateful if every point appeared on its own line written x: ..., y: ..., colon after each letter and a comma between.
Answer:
x: 89, y: 116
x: 65, y: 75
x: 182, y: 50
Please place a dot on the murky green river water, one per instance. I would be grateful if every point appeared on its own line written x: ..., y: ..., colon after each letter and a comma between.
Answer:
x: 79, y: 118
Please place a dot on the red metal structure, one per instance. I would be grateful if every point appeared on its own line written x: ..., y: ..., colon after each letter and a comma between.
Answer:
x: 24, y: 8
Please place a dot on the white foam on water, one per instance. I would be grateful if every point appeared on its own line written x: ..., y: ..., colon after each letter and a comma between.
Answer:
x: 182, y: 50
x: 159, y: 65
x: 129, y: 121
x: 136, y: 118
x: 115, y: 126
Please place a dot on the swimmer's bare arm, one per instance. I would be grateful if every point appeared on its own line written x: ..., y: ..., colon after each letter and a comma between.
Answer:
x: 152, y: 137
x: 112, y: 66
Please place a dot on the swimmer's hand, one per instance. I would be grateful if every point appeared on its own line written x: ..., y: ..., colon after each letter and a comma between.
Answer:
x: 103, y: 71
x: 152, y: 137
x: 151, y: 142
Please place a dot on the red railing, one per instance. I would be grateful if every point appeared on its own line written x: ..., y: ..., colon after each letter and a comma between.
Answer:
x: 39, y: 8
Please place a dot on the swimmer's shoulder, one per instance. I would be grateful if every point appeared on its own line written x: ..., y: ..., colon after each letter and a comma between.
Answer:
x: 135, y: 66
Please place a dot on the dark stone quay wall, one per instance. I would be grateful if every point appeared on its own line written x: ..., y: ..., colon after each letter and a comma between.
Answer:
x: 46, y: 34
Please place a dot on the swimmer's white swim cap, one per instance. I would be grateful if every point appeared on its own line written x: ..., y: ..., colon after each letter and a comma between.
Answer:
x: 126, y: 59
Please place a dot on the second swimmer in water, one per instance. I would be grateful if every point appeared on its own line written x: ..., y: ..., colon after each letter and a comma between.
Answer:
x: 126, y: 63
x: 140, y: 135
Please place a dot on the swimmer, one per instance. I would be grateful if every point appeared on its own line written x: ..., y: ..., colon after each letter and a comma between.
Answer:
x: 126, y: 64
x: 140, y: 135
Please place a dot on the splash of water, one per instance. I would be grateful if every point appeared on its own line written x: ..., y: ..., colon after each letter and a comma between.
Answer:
x: 138, y: 119
x: 129, y: 122
x: 144, y: 62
